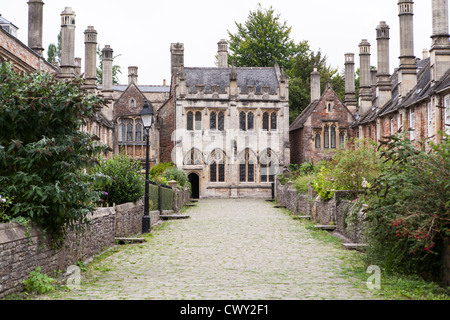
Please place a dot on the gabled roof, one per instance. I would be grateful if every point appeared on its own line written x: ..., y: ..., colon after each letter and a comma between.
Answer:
x: 301, y: 119
x: 257, y: 77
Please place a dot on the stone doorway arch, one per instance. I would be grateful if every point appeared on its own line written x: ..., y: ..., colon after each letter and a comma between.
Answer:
x: 194, y: 179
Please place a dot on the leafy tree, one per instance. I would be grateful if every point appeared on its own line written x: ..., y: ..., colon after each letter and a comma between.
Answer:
x: 408, y: 216
x: 54, y: 51
x: 300, y: 79
x: 262, y: 40
x: 43, y: 153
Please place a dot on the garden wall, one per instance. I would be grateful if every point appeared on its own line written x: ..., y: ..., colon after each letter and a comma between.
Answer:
x: 336, y: 211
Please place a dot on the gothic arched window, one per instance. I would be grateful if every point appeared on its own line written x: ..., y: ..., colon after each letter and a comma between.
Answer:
x: 317, y: 140
x: 342, y: 140
x: 193, y: 157
x: 221, y: 121
x: 333, y: 137
x: 130, y: 130
x: 273, y: 121
x: 138, y: 131
x: 190, y: 121
x: 247, y: 162
x: 326, y: 137
x: 269, y: 165
x: 212, y: 121
x: 250, y: 121
x: 122, y: 130
x: 217, y: 166
x: 198, y: 120
x: 265, y: 121
x: 242, y: 121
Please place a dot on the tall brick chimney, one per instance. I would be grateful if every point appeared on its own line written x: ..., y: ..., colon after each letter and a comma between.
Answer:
x: 407, y: 71
x: 365, y: 86
x: 90, y: 65
x: 68, y: 43
x: 440, y: 46
x: 222, y: 54
x: 383, y: 83
x: 35, y: 25
x: 132, y: 75
x: 350, y: 92
x: 177, y: 57
x: 315, y: 85
x: 107, y: 76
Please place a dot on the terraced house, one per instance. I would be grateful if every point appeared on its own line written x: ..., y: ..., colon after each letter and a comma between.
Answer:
x: 415, y: 98
x: 230, y: 125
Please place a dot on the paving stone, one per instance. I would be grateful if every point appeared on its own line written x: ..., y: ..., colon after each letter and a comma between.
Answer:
x: 228, y: 249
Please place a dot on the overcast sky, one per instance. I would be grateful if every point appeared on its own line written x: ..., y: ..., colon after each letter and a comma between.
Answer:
x: 142, y: 31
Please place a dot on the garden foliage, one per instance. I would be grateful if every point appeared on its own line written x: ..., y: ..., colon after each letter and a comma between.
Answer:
x: 409, y: 207
x: 126, y: 182
x: 43, y: 153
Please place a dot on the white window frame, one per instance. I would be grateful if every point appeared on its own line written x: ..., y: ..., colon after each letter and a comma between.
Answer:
x: 412, y: 123
x: 429, y: 119
x: 447, y: 114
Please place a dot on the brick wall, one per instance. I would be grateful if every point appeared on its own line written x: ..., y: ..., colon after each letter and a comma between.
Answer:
x: 166, y: 115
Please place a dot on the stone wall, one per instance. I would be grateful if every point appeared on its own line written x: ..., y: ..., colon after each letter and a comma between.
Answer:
x: 21, y: 250
x: 336, y: 211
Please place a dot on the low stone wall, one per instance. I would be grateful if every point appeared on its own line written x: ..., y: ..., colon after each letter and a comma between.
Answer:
x: 339, y: 211
x: 332, y: 212
x: 22, y: 250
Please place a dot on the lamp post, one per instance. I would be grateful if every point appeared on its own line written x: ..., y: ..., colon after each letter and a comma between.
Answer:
x: 147, y: 120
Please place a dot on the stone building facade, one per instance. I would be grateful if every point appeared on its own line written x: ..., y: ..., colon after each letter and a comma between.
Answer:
x: 231, y: 126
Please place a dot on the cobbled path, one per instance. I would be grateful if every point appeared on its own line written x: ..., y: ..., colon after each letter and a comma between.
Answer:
x: 227, y: 250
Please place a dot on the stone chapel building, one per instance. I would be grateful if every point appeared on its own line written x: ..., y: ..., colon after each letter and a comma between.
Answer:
x: 229, y: 126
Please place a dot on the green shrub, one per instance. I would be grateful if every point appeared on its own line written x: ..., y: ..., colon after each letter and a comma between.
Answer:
x: 43, y: 153
x: 127, y: 183
x: 158, y: 169
x: 409, y: 208
x: 176, y: 174
x: 301, y: 183
x: 353, y: 169
x: 39, y: 283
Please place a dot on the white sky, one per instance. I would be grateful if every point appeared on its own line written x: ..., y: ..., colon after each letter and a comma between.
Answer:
x: 141, y: 31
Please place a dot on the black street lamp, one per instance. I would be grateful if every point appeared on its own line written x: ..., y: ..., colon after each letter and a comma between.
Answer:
x: 147, y: 120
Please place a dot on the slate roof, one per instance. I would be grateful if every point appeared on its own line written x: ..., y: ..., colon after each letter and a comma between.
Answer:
x: 142, y: 88
x: 258, y: 77
x: 301, y: 119
x: 421, y: 91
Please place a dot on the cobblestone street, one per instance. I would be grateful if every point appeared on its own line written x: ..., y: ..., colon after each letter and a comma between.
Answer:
x: 227, y: 249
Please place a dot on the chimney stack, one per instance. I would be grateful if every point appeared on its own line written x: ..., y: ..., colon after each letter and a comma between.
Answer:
x: 222, y: 54
x: 350, y: 92
x: 440, y: 46
x: 90, y: 66
x: 107, y: 76
x: 132, y: 75
x: 315, y: 85
x: 35, y: 23
x: 365, y: 86
x: 407, y: 71
x: 384, y: 93
x: 68, y: 43
x: 177, y: 57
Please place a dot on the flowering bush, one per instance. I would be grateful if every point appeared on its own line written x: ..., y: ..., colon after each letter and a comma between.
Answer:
x: 409, y: 209
x: 351, y: 169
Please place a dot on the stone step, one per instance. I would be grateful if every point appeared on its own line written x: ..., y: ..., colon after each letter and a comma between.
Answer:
x: 354, y: 246
x: 325, y: 227
x: 190, y: 204
x: 304, y: 217
x: 174, y: 216
x: 129, y: 240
